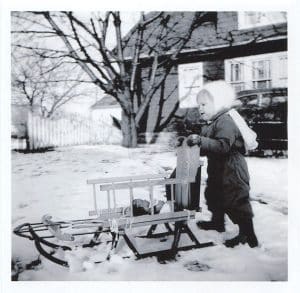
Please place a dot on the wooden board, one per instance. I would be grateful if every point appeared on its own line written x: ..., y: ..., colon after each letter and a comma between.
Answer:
x: 144, y: 183
x: 187, y: 166
x: 138, y: 221
x: 126, y: 178
x: 108, y: 214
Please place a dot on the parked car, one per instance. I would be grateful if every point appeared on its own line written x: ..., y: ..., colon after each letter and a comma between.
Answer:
x: 265, y: 110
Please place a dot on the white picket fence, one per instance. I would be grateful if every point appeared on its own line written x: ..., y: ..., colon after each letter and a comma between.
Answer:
x: 45, y: 133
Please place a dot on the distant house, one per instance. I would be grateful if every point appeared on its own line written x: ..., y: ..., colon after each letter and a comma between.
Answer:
x: 106, y: 108
x: 80, y: 106
x: 247, y: 49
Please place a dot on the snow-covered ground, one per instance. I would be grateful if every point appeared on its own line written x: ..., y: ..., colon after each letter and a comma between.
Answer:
x: 55, y: 183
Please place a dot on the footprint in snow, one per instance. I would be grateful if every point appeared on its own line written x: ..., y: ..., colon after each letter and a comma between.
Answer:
x: 167, y: 168
x: 22, y: 205
x: 36, y: 174
x: 196, y: 266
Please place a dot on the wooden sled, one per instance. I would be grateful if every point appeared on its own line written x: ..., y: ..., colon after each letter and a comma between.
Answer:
x: 179, y: 218
x: 120, y: 221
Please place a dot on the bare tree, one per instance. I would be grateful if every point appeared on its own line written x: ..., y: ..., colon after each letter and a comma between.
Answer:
x: 119, y: 74
x: 44, y: 85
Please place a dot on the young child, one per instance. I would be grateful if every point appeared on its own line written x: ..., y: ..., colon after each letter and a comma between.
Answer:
x: 224, y: 140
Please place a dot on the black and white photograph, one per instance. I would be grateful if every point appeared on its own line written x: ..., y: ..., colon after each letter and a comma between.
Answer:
x: 148, y: 145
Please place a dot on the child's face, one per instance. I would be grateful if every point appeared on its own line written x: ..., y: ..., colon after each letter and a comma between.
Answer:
x: 206, y: 106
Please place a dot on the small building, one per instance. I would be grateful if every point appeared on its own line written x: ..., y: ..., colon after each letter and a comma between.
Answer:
x: 105, y: 109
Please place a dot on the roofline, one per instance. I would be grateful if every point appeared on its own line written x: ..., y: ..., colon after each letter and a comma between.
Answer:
x: 209, y: 48
x: 234, y: 45
x: 105, y: 107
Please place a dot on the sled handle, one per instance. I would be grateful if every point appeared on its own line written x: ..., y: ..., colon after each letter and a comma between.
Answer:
x: 18, y: 231
x: 172, y: 197
x: 131, y: 198
x: 95, y: 199
x: 114, y: 197
x: 108, y: 202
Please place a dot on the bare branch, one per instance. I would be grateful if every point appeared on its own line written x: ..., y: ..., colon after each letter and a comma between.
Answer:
x: 108, y: 67
x: 136, y: 52
x: 33, y: 32
x: 152, y: 19
x: 73, y: 53
x: 82, y: 48
x: 120, y: 53
x: 104, y: 52
x: 105, y: 25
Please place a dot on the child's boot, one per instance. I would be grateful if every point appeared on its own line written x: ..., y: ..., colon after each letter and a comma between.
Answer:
x: 246, y: 235
x: 216, y: 223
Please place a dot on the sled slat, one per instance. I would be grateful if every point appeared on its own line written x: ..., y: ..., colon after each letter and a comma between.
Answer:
x: 104, y: 213
x: 156, y: 219
x: 134, y: 184
x: 131, y: 201
x: 126, y: 178
x: 138, y: 221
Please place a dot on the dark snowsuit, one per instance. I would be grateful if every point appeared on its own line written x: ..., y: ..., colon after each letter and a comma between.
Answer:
x: 228, y: 178
x: 227, y: 189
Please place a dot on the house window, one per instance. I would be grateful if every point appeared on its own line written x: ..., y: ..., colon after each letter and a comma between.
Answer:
x: 261, y: 74
x: 250, y: 19
x: 257, y: 71
x: 237, y: 75
x: 283, y: 68
x: 190, y: 80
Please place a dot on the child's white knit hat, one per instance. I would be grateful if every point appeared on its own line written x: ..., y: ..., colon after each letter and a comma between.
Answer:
x: 222, y: 93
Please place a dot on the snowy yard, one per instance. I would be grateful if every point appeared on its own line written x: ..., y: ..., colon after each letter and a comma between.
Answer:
x: 55, y: 183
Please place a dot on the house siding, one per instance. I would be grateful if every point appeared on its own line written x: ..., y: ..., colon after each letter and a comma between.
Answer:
x: 212, y: 70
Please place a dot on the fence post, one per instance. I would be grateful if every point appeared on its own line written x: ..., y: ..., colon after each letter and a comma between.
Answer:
x: 29, y: 129
x: 35, y: 132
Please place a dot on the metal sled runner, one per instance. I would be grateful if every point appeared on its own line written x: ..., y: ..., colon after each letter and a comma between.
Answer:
x: 50, y: 237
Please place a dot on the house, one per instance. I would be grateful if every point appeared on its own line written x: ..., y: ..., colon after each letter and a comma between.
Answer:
x: 247, y: 49
x: 78, y: 106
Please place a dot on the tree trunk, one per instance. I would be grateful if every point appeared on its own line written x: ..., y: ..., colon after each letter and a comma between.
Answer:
x: 129, y: 131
